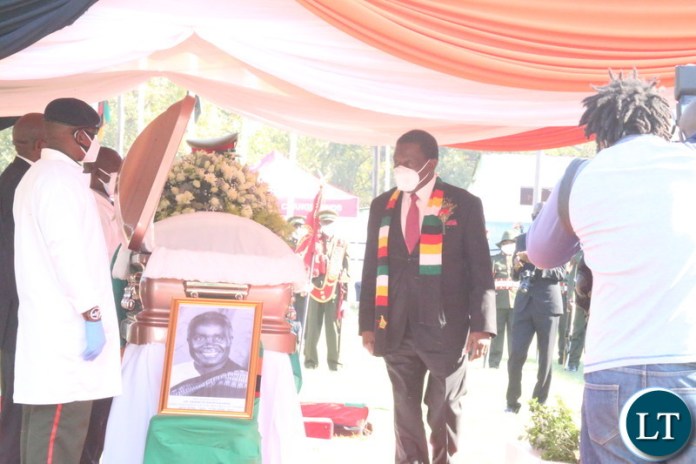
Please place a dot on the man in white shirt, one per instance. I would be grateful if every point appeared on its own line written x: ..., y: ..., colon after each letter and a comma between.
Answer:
x: 102, y: 174
x: 631, y: 208
x: 67, y: 340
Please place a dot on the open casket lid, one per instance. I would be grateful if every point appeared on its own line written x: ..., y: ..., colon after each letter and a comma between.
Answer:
x: 145, y: 169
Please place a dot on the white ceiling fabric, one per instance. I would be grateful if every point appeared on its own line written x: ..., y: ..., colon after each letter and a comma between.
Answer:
x: 274, y: 61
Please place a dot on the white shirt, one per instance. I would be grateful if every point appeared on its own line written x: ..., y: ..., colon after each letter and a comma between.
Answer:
x: 107, y: 216
x: 423, y: 195
x: 62, y: 271
x: 632, y: 208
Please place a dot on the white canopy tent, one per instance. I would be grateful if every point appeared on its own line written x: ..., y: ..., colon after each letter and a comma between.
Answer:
x: 272, y: 60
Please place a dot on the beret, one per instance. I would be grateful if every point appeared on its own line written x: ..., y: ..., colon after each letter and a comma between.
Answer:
x: 327, y: 216
x: 72, y: 112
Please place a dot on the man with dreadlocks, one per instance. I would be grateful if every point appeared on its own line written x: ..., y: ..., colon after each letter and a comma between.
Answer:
x: 631, y: 208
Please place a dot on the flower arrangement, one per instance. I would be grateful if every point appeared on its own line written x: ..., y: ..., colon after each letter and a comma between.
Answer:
x: 445, y: 213
x: 203, y: 181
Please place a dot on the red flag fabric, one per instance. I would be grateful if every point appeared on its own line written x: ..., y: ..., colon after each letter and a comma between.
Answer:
x: 306, y: 247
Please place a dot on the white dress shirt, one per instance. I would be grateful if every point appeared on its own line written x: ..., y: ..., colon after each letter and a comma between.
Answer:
x: 423, y: 196
x: 113, y: 235
x: 62, y: 271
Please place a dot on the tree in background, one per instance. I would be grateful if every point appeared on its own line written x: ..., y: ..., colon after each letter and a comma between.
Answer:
x: 348, y: 167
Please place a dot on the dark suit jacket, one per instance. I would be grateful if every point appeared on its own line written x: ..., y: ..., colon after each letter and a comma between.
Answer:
x: 545, y: 291
x: 8, y: 287
x: 450, y: 304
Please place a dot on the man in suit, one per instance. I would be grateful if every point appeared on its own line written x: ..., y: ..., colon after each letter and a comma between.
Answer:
x: 427, y: 299
x: 538, y: 308
x: 28, y: 138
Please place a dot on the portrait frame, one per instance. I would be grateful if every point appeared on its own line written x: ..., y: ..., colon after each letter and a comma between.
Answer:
x: 204, y: 362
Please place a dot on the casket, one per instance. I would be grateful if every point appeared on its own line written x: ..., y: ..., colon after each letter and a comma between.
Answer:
x: 205, y: 254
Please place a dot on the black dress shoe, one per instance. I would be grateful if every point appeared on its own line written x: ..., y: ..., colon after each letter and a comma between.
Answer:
x: 572, y: 368
x: 514, y: 409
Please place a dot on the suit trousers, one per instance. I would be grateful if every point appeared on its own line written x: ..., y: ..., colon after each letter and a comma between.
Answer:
x: 407, y: 367
x: 528, y: 321
x: 504, y: 325
x: 11, y: 413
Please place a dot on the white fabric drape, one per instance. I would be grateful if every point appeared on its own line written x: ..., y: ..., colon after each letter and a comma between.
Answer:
x: 274, y: 61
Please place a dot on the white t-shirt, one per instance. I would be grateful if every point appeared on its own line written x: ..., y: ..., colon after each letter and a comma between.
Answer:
x: 113, y: 236
x: 62, y: 271
x: 632, y: 207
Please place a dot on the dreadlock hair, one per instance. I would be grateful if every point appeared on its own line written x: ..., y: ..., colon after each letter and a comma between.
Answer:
x: 626, y: 107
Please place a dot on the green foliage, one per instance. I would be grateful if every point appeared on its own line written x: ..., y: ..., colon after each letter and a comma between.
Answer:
x: 458, y: 167
x: 7, y: 151
x: 553, y: 432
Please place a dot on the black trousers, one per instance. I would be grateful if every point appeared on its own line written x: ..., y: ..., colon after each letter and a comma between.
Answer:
x: 11, y: 413
x: 527, y: 322
x: 407, y: 367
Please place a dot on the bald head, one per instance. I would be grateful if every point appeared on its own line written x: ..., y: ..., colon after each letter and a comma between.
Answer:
x: 28, y: 136
x: 687, y: 120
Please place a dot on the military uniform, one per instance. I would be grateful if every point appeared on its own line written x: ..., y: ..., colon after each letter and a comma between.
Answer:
x: 329, y: 287
x: 505, y: 291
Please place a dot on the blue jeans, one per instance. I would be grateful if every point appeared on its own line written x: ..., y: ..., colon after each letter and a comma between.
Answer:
x: 606, y: 392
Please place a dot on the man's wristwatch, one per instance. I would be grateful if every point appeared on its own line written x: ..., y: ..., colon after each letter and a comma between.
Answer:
x: 93, y: 315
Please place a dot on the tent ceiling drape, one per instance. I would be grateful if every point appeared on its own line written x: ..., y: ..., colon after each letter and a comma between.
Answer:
x: 535, y: 44
x: 279, y: 62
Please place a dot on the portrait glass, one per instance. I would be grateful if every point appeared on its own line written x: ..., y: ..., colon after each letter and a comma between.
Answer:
x: 212, y: 357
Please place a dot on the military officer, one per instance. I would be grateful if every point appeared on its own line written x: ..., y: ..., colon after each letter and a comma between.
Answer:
x: 505, y: 291
x: 329, y: 287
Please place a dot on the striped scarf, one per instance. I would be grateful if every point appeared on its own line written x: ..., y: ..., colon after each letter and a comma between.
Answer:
x: 430, y: 246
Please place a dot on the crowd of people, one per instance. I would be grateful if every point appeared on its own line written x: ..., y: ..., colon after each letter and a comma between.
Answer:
x: 432, y: 298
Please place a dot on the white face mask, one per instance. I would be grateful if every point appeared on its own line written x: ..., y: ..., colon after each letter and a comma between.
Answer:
x: 508, y: 248
x: 92, y: 151
x: 110, y: 186
x: 407, y: 179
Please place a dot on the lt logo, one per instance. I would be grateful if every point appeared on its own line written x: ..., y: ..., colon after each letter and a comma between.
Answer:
x: 655, y: 424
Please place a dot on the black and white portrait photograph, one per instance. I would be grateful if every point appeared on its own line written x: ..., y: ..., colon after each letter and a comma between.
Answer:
x: 212, y: 356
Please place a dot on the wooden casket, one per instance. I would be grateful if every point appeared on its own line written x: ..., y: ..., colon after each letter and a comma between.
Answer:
x: 206, y: 254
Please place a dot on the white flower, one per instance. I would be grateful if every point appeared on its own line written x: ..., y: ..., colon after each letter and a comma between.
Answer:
x: 246, y: 211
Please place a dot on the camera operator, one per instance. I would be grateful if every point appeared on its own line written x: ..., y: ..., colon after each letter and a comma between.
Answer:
x: 537, y: 309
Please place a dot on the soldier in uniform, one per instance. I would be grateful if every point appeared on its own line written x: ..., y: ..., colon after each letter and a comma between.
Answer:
x: 505, y: 291
x: 329, y: 287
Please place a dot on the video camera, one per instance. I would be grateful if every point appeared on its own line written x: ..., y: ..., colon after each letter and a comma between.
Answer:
x: 526, y: 276
x: 684, y: 86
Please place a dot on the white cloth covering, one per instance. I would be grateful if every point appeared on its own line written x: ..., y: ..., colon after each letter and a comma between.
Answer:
x: 221, y: 247
x: 62, y: 271
x: 280, y: 417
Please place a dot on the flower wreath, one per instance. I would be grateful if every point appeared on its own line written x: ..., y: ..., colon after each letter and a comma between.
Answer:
x: 203, y: 181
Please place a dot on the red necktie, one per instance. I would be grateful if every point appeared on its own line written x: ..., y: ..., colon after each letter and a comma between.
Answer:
x: 412, y: 224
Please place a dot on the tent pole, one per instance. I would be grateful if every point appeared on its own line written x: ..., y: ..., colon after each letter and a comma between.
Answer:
x: 292, y: 154
x: 537, y: 179
x: 387, y: 179
x: 121, y: 124
x: 375, y: 171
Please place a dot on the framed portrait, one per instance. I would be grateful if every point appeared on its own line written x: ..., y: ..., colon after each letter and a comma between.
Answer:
x: 212, y: 357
